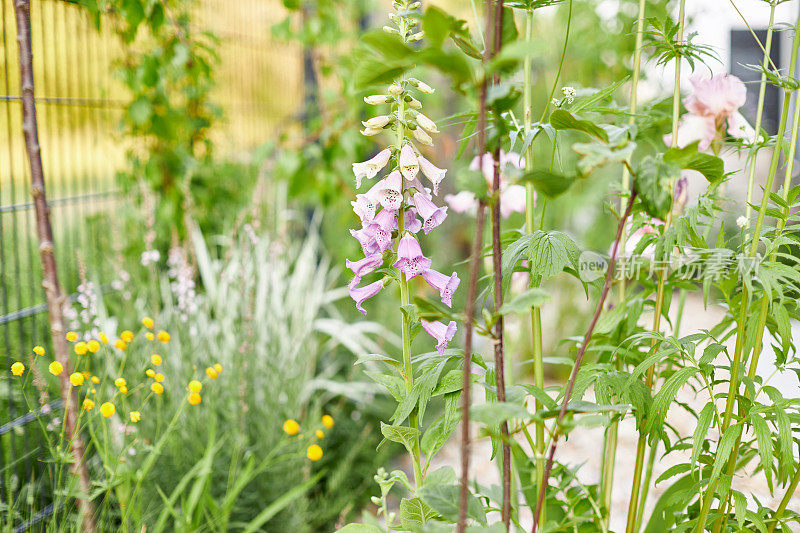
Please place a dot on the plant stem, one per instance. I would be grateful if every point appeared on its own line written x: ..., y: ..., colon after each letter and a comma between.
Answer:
x: 785, y: 501
x: 52, y: 287
x: 610, y: 439
x: 733, y: 385
x: 759, y: 114
x: 640, y: 447
x: 556, y: 431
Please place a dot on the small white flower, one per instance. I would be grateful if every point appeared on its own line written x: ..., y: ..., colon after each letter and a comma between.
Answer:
x: 413, y: 103
x: 416, y: 37
x: 395, y: 89
x: 378, y: 122
x: 424, y: 87
x: 377, y: 99
x: 427, y: 123
x: 370, y: 168
x: 555, y: 102
x: 409, y: 166
x: 569, y: 92
x: 422, y: 137
x: 742, y: 222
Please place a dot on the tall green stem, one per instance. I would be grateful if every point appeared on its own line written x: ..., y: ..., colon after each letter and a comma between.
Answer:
x: 633, y: 504
x: 733, y: 385
x: 610, y: 439
x: 785, y: 501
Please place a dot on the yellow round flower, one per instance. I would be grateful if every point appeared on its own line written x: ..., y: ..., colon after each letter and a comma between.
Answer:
x: 210, y: 372
x: 158, y: 388
x: 120, y: 382
x: 150, y: 373
x: 194, y: 398
x: 135, y: 416
x: 195, y: 386
x: 103, y: 337
x: 327, y: 421
x: 88, y: 404
x: 147, y: 322
x: 163, y: 336
x: 81, y: 348
x: 155, y: 359
x: 72, y: 336
x: 17, y: 368
x: 119, y: 344
x: 319, y: 433
x: 55, y: 368
x: 218, y: 368
x: 126, y: 336
x: 38, y: 350
x: 314, y: 452
x: 107, y: 409
x: 93, y: 346
x: 149, y: 335
x: 86, y: 374
x: 159, y: 377
x: 123, y: 390
x: 291, y: 427
x: 76, y: 379
x: 95, y: 379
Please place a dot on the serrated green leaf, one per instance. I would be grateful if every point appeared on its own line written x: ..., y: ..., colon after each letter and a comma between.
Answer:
x: 414, y: 512
x: 724, y: 449
x: 548, y: 182
x: 523, y: 303
x: 444, y: 500
x: 564, y: 120
x: 404, y: 435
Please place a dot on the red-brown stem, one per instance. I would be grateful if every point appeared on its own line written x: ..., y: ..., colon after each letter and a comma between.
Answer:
x: 474, y: 272
x: 52, y: 288
x: 571, y: 383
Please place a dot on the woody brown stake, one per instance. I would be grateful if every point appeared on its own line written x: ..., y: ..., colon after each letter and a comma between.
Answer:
x: 52, y: 288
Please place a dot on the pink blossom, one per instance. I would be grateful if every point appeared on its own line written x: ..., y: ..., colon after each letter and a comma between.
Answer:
x: 365, y: 266
x: 461, y: 202
x: 513, y: 197
x: 359, y: 294
x: 442, y: 333
x: 431, y: 214
x: 410, y: 260
x: 446, y: 285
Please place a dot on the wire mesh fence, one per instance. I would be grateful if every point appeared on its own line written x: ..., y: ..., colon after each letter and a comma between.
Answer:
x: 80, y: 105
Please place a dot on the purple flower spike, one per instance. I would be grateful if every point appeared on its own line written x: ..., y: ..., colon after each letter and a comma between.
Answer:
x: 366, y: 240
x: 410, y: 260
x: 443, y: 334
x: 359, y: 294
x: 413, y: 224
x: 446, y: 285
x: 365, y: 207
x: 380, y: 229
x: 430, y: 213
x: 362, y: 267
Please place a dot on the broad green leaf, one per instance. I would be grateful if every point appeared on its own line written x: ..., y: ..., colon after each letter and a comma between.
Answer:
x: 444, y: 500
x: 494, y: 413
x: 414, y: 512
x: 437, y: 433
x: 523, y: 303
x: 359, y: 528
x: 653, y: 177
x: 441, y: 476
x: 550, y: 251
x: 594, y: 155
x: 404, y: 435
x: 549, y: 183
x: 564, y: 120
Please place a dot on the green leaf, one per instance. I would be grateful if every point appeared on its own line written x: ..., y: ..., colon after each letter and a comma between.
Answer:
x: 523, y: 303
x: 564, y: 120
x: 444, y: 500
x: 495, y: 413
x: 724, y: 449
x: 586, y: 102
x: 689, y: 158
x: 765, y: 449
x: 666, y: 395
x: 404, y: 435
x: 549, y: 183
x: 595, y: 155
x: 653, y: 177
x: 359, y: 528
x: 550, y: 251
x: 414, y: 512
x: 437, y: 434
x: 703, y: 423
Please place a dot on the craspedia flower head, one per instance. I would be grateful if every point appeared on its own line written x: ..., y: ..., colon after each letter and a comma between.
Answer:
x: 218, y: 368
x: 319, y: 433
x: 102, y: 337
x: 150, y: 373
x: 55, y: 368
x: 157, y: 387
x: 93, y: 346
x: 147, y: 322
x: 149, y: 335
x: 80, y: 348
x: 88, y: 404
x: 291, y: 427
x: 107, y: 409
x: 95, y: 380
x: 159, y: 377
x: 327, y: 421
x: 126, y: 336
x: 120, y: 382
x: 72, y: 336
x: 76, y: 379
x: 155, y: 359
x: 17, y: 368
x: 314, y: 452
x: 194, y: 398
x: 120, y: 344
x: 195, y: 386
x: 211, y: 372
x: 38, y: 350
x: 163, y: 336
x: 135, y: 416
x: 123, y: 389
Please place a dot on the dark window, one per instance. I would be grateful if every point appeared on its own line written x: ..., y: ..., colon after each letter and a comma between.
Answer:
x: 746, y: 51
